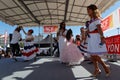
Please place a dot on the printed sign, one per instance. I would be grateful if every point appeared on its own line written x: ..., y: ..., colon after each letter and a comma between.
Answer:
x: 107, y: 23
x: 113, y: 44
x: 50, y: 29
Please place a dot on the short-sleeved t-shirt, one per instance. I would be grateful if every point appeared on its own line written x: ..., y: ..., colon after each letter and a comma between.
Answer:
x: 16, y: 36
x: 93, y: 25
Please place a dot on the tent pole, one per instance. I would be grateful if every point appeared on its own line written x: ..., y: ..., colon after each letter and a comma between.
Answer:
x: 39, y: 36
x: 51, y: 44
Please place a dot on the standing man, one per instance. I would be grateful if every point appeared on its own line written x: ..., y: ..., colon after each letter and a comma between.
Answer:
x: 16, y: 37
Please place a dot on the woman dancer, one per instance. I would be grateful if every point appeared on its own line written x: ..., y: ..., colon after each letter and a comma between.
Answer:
x: 96, y: 41
x: 61, y: 37
x: 83, y: 44
x: 30, y: 50
x: 71, y: 54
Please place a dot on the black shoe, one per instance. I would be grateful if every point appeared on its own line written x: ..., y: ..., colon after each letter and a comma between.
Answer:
x: 64, y: 63
x: 26, y: 60
x: 90, y: 62
x: 86, y: 60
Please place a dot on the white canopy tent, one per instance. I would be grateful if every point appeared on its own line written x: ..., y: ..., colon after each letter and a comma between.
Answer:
x: 48, y: 12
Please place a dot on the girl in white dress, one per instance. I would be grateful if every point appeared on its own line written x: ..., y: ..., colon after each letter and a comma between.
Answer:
x: 30, y: 50
x: 61, y: 38
x: 96, y: 41
x: 71, y: 54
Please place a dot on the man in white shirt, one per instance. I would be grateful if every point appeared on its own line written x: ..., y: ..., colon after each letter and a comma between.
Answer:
x: 16, y: 37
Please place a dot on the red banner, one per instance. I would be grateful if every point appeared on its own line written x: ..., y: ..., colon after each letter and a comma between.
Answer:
x: 107, y: 23
x: 113, y: 44
x: 50, y: 29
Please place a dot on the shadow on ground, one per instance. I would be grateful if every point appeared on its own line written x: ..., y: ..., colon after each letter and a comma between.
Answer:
x: 51, y: 69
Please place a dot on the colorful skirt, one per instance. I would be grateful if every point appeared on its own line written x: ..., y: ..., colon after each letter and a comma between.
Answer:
x: 71, y: 54
x: 29, y: 51
x: 94, y: 45
x: 83, y: 47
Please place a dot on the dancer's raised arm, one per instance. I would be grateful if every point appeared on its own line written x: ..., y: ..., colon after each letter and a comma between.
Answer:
x: 23, y: 31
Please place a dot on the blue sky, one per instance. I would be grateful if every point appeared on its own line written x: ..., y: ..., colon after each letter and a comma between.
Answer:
x: 76, y: 29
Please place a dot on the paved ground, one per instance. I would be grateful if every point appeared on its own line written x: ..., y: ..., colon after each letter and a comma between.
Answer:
x: 50, y: 69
